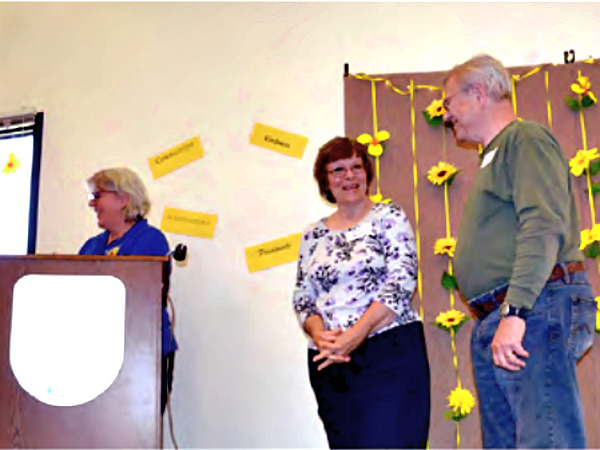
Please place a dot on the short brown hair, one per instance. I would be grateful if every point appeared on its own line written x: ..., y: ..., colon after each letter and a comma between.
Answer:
x: 124, y: 181
x: 334, y: 150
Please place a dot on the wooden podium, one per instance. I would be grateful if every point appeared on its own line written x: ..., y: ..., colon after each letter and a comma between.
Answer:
x: 127, y: 414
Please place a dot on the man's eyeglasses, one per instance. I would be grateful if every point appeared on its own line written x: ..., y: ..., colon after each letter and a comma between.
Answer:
x: 339, y: 172
x: 448, y: 100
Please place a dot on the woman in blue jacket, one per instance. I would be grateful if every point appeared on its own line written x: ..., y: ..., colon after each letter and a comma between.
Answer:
x: 120, y: 201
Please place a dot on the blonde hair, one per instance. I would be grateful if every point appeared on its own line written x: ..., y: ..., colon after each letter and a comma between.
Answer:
x: 123, y: 181
x: 487, y: 71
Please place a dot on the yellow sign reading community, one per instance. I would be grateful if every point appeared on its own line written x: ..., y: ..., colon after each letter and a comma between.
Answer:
x: 189, y: 223
x: 176, y: 157
x: 278, y: 140
x: 273, y: 253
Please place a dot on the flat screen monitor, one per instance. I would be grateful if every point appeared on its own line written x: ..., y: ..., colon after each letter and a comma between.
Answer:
x: 20, y: 157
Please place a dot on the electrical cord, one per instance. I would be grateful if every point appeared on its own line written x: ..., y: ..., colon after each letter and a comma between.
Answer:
x: 169, y: 413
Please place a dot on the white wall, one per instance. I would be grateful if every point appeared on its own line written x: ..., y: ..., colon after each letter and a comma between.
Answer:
x: 120, y: 82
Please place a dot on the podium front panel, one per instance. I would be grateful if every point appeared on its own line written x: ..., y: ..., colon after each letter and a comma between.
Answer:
x: 127, y: 414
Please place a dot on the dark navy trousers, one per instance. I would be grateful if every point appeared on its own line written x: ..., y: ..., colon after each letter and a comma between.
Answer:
x: 381, y: 398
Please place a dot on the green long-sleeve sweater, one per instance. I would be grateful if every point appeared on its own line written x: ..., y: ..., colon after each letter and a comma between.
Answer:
x: 520, y: 217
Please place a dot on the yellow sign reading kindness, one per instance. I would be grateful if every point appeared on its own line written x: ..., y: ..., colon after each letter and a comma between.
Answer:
x: 273, y: 253
x: 176, y: 157
x: 189, y: 223
x: 278, y: 140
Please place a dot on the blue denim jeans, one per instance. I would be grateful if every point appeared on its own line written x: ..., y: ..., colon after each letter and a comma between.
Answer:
x: 538, y: 406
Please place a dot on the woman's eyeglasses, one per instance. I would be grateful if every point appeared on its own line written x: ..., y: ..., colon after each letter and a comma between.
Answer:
x: 96, y: 195
x: 339, y: 172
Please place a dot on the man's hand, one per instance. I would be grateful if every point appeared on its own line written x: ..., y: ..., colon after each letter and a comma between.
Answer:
x: 507, y: 348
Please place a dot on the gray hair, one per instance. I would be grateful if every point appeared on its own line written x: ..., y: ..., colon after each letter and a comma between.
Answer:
x: 487, y: 71
x: 124, y: 181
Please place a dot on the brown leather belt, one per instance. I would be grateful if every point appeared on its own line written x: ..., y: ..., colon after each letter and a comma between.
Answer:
x: 482, y: 309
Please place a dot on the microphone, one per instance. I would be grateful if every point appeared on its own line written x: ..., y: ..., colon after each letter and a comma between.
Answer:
x: 178, y: 253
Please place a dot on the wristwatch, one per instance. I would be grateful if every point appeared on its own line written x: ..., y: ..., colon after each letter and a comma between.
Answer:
x: 510, y: 310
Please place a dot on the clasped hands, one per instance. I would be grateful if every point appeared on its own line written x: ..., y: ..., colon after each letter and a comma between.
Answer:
x: 335, y: 346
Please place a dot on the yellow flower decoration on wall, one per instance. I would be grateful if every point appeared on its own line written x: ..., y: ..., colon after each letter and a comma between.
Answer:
x: 583, y: 87
x: 451, y: 319
x: 436, y: 108
x: 445, y: 246
x: 598, y: 315
x: 375, y: 147
x: 462, y: 402
x: 581, y: 160
x: 12, y: 165
x: 434, y: 113
x: 442, y: 173
x: 589, y: 236
x: 585, y: 97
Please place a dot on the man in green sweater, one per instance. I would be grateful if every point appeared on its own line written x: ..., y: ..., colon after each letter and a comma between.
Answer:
x: 519, y: 267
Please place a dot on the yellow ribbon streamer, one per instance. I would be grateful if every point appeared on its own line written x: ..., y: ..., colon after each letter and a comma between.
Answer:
x: 455, y: 362
x: 448, y: 235
x: 416, y: 197
x: 514, y: 94
x: 374, y: 106
x: 548, y: 100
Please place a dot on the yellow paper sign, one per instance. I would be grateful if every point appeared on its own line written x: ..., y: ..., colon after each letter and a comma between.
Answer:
x: 176, y: 157
x: 273, y: 253
x: 278, y: 140
x: 190, y: 223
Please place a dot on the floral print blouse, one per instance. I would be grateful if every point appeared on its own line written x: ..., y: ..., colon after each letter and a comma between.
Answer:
x: 340, y: 273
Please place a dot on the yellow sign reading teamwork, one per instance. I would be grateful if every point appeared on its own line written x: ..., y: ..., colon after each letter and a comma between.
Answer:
x: 190, y: 223
x: 278, y: 140
x: 176, y: 157
x: 273, y: 253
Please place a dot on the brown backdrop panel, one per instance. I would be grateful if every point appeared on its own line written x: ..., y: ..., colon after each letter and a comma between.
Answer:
x: 435, y: 144
x: 127, y: 414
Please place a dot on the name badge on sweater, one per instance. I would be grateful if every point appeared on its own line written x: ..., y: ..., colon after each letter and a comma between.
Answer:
x: 358, y: 232
x: 488, y: 158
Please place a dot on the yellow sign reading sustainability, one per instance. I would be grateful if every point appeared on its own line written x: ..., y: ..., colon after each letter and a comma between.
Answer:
x: 189, y: 223
x: 273, y: 253
x: 278, y: 140
x: 176, y: 157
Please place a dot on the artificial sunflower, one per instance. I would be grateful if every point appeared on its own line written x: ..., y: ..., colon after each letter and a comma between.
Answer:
x: 375, y: 147
x: 462, y: 402
x: 589, y: 236
x: 581, y: 160
x: 12, y: 165
x: 442, y: 173
x: 445, y: 246
x: 434, y: 113
x: 583, y: 87
x: 450, y: 319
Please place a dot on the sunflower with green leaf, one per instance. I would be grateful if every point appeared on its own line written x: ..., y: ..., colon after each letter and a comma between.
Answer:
x: 434, y: 113
x: 442, y: 173
x: 445, y: 246
x: 450, y: 320
x: 461, y: 402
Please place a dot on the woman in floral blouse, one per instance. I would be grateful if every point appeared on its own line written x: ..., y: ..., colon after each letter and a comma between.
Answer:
x: 357, y: 273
